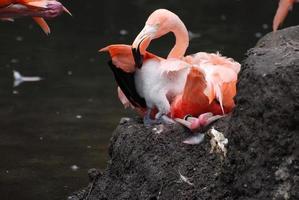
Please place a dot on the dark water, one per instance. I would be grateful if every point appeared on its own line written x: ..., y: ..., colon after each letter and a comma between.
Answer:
x: 65, y: 121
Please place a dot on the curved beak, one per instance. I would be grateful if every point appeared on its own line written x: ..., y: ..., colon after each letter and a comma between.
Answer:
x: 53, y: 9
x: 144, y: 38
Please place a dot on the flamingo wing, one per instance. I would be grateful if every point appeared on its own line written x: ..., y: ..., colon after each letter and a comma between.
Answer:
x: 123, y: 99
x: 192, y: 101
x: 126, y: 82
x: 173, y: 65
x: 221, y: 76
x: 123, y: 66
x: 122, y: 56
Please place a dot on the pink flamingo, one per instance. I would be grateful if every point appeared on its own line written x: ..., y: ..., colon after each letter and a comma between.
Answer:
x: 37, y: 9
x: 202, y: 84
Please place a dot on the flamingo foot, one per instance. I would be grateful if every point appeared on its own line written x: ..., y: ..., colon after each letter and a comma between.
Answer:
x: 147, y: 120
x: 160, y: 119
x: 166, y: 120
x: 202, y: 121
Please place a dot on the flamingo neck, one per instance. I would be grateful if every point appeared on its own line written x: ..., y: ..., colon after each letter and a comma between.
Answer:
x: 181, y: 40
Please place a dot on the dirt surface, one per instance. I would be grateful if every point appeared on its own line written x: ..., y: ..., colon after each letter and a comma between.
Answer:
x: 262, y: 160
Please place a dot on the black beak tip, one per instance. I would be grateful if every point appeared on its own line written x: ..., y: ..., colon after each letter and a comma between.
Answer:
x: 138, y: 58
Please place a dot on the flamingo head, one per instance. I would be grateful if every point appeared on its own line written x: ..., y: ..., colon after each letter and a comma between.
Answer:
x: 159, y: 23
x: 44, y: 8
x: 53, y: 9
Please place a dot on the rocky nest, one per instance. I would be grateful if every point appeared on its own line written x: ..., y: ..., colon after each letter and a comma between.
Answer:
x: 262, y: 159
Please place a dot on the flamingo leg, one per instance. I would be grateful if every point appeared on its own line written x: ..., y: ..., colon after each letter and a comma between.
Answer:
x: 166, y: 120
x: 282, y: 11
x: 160, y: 119
x: 148, y: 121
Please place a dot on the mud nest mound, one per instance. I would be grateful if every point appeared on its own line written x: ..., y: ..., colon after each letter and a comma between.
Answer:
x: 262, y: 159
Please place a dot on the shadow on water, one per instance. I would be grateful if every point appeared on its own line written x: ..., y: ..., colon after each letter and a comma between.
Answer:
x: 54, y: 130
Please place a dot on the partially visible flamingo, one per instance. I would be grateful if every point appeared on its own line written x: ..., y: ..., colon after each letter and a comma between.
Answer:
x: 37, y: 9
x: 177, y: 86
x: 282, y: 12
